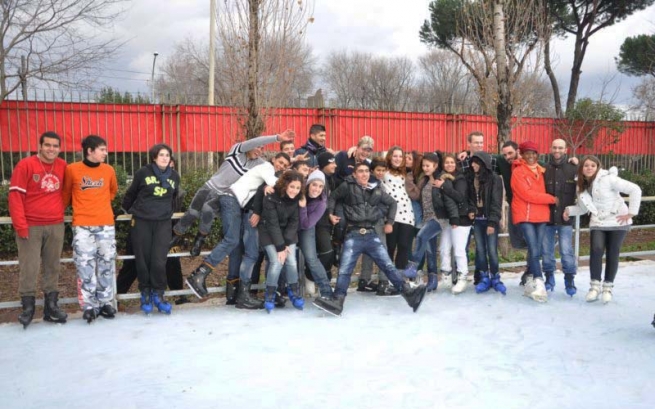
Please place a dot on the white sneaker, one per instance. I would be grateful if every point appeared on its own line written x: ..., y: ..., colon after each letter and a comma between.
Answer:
x: 607, y: 292
x: 462, y: 282
x: 446, y: 281
x: 539, y: 294
x: 310, y: 288
x: 594, y: 291
x: 528, y: 285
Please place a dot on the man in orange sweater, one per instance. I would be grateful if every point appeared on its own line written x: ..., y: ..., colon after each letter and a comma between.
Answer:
x: 90, y: 185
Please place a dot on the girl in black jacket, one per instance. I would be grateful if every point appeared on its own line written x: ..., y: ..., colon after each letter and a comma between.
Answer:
x: 278, y: 235
x: 150, y: 201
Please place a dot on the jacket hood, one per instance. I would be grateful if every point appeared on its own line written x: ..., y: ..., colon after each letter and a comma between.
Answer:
x: 485, y: 158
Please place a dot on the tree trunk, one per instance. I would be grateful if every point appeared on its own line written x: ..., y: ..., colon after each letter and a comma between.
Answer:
x: 552, y: 78
x: 254, y: 123
x: 581, y: 42
x: 504, y: 106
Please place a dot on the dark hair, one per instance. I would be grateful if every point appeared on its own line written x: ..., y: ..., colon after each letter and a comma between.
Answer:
x: 483, y: 175
x: 49, y: 134
x: 285, y: 143
x: 360, y: 164
x: 377, y: 162
x: 316, y: 128
x: 418, y: 160
x: 512, y: 144
x: 583, y: 182
x: 446, y: 156
x: 299, y: 163
x: 401, y: 169
x: 285, y: 180
x: 92, y: 142
x: 154, y: 151
x: 472, y: 134
x: 282, y: 155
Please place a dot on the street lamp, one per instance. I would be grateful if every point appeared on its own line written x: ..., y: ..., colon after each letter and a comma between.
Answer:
x: 152, y: 77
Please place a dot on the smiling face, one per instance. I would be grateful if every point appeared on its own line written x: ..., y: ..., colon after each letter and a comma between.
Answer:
x: 476, y: 144
x: 315, y: 189
x: 49, y: 150
x: 379, y: 172
x: 476, y: 166
x: 589, y: 168
x: 293, y: 189
x: 558, y: 149
x: 289, y: 149
x: 361, y: 154
x: 428, y: 167
x: 449, y: 165
x: 254, y: 153
x: 409, y: 160
x: 303, y: 170
x: 530, y: 157
x: 319, y: 138
x: 280, y: 164
x: 510, y: 154
x: 163, y: 159
x: 362, y: 175
x: 397, y: 157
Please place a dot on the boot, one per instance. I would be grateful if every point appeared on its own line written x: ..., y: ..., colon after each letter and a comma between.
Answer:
x: 411, y: 271
x: 384, y: 289
x: 297, y: 301
x: 414, y: 296
x: 176, y: 241
x: 550, y: 281
x: 196, y: 281
x: 432, y: 282
x: 570, y: 284
x: 27, y: 314
x: 497, y: 284
x: 146, y: 301
x: 461, y: 284
x: 524, y: 278
x: 244, y: 300
x: 232, y: 291
x: 366, y: 286
x: 89, y: 315
x: 107, y: 311
x: 446, y: 280
x: 269, y: 298
x: 197, y: 244
x: 51, y: 311
x: 159, y: 302
x: 332, y: 306
x: 280, y: 301
x: 484, y: 284
x: 607, y: 292
x: 538, y: 289
x: 594, y: 291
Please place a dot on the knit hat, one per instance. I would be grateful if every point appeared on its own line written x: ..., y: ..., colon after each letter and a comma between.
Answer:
x: 528, y: 146
x: 316, y: 175
x: 365, y: 142
x: 324, y: 159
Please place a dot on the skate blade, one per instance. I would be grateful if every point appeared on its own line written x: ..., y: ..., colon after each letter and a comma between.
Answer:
x: 54, y: 321
x: 326, y: 310
x: 193, y: 290
x: 420, y: 301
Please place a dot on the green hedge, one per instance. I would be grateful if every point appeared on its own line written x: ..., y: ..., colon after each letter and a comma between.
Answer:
x: 646, y: 181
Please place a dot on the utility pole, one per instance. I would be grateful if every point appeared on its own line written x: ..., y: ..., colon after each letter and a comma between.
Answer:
x: 152, y: 78
x: 22, y: 74
x: 212, y: 35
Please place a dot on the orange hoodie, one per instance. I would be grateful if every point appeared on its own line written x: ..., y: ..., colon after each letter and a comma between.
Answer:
x: 91, y: 191
x: 530, y: 202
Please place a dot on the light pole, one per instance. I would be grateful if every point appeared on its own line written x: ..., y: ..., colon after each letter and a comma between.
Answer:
x: 152, y: 78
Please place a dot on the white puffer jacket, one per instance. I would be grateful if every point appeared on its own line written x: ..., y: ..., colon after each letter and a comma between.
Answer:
x: 605, y: 203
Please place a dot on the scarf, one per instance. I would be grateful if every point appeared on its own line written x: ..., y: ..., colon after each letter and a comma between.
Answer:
x: 162, y: 175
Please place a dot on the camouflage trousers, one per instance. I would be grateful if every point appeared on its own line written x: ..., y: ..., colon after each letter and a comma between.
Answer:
x: 94, y: 253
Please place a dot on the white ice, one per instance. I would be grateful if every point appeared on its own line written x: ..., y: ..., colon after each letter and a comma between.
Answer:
x: 466, y: 351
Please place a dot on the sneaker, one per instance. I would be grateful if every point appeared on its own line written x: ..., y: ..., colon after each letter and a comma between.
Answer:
x: 107, y: 311
x: 538, y: 287
x: 460, y: 285
x: 366, y: 286
x: 446, y: 281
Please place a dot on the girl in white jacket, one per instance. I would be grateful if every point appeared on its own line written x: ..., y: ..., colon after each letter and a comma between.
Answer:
x: 599, y: 193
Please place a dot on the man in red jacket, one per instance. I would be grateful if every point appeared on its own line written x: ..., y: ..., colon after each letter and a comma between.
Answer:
x: 37, y: 214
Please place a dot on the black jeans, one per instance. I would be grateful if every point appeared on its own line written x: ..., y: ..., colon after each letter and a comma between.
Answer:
x: 150, y: 240
x: 609, y: 242
x: 399, y: 242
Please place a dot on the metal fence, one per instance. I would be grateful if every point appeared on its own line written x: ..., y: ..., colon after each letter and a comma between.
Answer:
x: 123, y: 218
x: 197, y: 133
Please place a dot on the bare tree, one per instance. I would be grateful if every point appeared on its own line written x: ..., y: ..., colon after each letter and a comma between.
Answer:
x: 444, y: 84
x: 345, y: 75
x: 59, y: 42
x: 390, y: 82
x: 644, y: 94
x: 262, y: 40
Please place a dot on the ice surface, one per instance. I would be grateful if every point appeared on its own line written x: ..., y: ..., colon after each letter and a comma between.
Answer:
x: 466, y: 351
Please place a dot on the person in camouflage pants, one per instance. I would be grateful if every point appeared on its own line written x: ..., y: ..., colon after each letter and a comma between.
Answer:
x: 94, y: 252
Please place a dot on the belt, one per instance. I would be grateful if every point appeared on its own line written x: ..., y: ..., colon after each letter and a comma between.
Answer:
x: 360, y: 229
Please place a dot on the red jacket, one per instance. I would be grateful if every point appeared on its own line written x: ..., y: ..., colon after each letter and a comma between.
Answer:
x: 530, y: 202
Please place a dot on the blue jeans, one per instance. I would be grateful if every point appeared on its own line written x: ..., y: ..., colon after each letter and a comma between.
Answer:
x: 275, y: 267
x: 307, y: 242
x: 250, y: 247
x: 486, y: 247
x: 565, y: 234
x: 231, y: 221
x: 534, y: 234
x: 353, y: 246
x: 425, y: 239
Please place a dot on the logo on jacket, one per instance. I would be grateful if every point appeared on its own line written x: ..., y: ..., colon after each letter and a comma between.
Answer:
x: 88, y: 183
x: 49, y: 183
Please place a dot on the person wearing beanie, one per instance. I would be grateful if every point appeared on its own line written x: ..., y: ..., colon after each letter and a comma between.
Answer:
x: 312, y: 207
x: 531, y: 211
x: 326, y: 159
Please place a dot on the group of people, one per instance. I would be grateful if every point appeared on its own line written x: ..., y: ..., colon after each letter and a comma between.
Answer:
x: 332, y: 208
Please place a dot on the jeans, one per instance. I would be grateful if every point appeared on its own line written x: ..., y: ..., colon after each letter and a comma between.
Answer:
x: 609, y: 242
x: 275, y: 267
x: 250, y: 247
x: 231, y: 221
x: 534, y: 234
x: 430, y: 230
x: 454, y: 239
x: 354, y: 245
x: 205, y: 206
x: 486, y: 247
x: 565, y: 235
x: 307, y: 243
x: 367, y: 262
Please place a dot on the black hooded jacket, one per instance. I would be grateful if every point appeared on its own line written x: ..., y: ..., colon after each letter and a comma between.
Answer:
x: 560, y: 182
x: 491, y: 190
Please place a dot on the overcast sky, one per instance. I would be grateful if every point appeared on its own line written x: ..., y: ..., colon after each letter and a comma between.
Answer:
x: 383, y: 27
